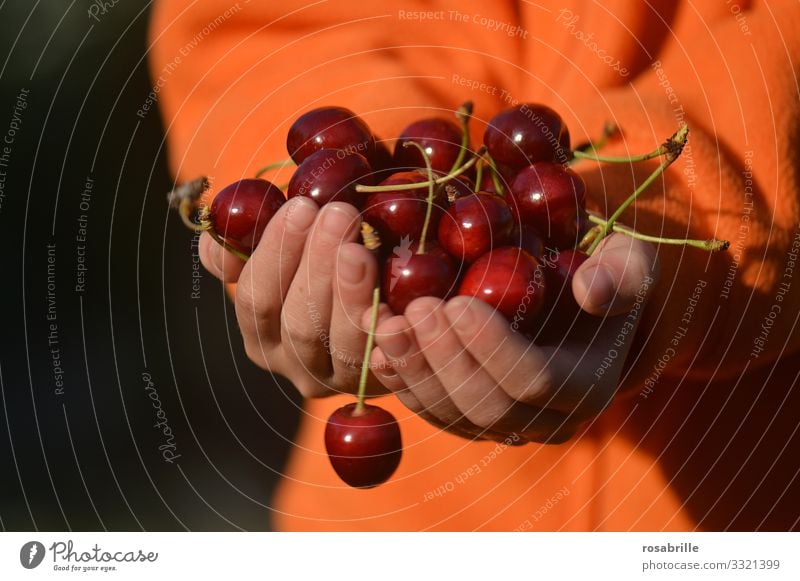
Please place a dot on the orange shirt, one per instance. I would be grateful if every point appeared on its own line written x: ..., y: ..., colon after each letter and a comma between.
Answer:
x: 705, y: 435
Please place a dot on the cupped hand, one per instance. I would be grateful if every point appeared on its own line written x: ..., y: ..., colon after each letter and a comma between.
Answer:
x: 459, y: 365
x: 300, y: 296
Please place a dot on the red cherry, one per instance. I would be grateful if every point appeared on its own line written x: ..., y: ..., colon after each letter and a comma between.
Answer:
x: 475, y: 224
x: 381, y: 161
x: 561, y: 268
x: 529, y: 240
x: 331, y: 174
x: 522, y: 135
x: 364, y: 448
x: 408, y: 276
x: 549, y: 197
x: 329, y: 128
x: 398, y: 214
x: 510, y: 280
x: 241, y: 211
x: 441, y: 140
x: 458, y: 187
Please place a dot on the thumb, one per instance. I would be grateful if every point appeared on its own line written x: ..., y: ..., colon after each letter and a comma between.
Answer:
x: 608, y: 282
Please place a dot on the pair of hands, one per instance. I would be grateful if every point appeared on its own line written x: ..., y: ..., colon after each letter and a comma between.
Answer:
x: 303, y: 302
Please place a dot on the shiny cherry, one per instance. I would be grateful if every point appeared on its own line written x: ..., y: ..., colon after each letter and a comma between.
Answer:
x: 329, y: 128
x: 396, y: 214
x: 458, y: 188
x: 561, y: 266
x: 381, y: 161
x: 522, y: 135
x: 549, y: 197
x: 364, y: 446
x: 527, y: 238
x: 510, y: 280
x: 331, y: 174
x: 475, y: 224
x: 240, y: 212
x: 441, y: 139
x: 408, y: 276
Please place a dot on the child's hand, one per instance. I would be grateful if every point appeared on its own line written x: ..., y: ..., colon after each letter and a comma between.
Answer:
x: 300, y: 296
x: 458, y: 364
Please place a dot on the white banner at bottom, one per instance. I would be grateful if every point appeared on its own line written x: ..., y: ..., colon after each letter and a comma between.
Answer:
x: 400, y: 556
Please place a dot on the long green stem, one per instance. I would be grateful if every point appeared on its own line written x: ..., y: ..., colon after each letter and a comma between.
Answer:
x: 463, y: 114
x: 609, y: 129
x: 711, y: 245
x: 673, y: 148
x: 274, y: 165
x: 670, y: 148
x: 578, y: 154
x: 478, y: 175
x: 442, y: 180
x: 373, y: 323
x: 498, y: 185
x: 429, y: 201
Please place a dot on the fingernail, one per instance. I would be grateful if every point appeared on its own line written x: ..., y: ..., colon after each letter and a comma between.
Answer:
x: 300, y: 214
x: 396, y: 345
x: 599, y: 283
x: 460, y: 314
x: 386, y: 373
x: 351, y: 268
x: 336, y: 221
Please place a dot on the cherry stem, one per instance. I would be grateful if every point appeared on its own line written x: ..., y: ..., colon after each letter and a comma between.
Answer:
x: 185, y: 210
x: 416, y: 186
x: 373, y: 322
x: 673, y: 146
x: 710, y: 245
x: 609, y: 129
x: 274, y: 165
x: 667, y: 148
x: 463, y: 114
x: 478, y: 175
x: 431, y: 191
x: 498, y: 185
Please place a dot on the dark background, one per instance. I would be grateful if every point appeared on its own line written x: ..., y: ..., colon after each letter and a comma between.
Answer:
x: 88, y: 458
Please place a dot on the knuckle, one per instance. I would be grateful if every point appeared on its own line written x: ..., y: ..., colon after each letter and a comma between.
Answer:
x: 299, y: 334
x: 246, y: 302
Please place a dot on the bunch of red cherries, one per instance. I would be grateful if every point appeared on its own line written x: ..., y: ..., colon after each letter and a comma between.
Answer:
x: 505, y: 223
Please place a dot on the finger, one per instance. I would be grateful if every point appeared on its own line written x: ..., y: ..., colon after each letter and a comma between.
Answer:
x: 353, y: 283
x: 397, y: 343
x: 266, y: 276
x: 529, y: 374
x: 383, y: 369
x: 474, y: 392
x: 218, y: 261
x: 609, y: 280
x: 306, y: 313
